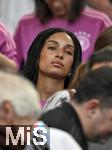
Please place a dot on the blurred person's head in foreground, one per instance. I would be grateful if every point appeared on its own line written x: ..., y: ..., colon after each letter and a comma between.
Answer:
x: 93, y: 104
x: 19, y: 103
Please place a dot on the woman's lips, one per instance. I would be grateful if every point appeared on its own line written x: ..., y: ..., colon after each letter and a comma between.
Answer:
x: 57, y: 64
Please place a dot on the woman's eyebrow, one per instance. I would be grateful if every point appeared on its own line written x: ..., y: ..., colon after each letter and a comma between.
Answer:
x: 56, y: 43
x: 70, y: 45
x: 52, y: 41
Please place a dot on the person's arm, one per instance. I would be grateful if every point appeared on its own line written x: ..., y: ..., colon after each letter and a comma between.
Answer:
x: 7, y: 64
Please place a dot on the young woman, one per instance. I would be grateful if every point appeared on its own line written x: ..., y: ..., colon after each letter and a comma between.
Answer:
x: 52, y: 61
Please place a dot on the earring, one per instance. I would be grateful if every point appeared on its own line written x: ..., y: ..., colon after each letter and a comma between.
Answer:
x: 69, y: 73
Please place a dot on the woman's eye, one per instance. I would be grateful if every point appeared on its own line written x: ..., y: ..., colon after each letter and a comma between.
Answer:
x: 69, y: 52
x: 51, y: 48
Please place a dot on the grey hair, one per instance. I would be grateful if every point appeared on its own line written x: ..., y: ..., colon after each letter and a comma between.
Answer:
x: 21, y: 93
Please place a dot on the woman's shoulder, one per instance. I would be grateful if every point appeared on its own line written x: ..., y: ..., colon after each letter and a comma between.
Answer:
x: 28, y: 19
x: 96, y: 15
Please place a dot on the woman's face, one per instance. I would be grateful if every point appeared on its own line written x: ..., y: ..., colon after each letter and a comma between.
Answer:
x: 59, y: 8
x: 57, y: 55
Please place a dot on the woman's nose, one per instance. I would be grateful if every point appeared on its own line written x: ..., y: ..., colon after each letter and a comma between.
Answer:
x: 60, y: 54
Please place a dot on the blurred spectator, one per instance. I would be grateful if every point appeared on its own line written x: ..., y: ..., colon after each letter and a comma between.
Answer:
x: 19, y: 106
x: 72, y: 15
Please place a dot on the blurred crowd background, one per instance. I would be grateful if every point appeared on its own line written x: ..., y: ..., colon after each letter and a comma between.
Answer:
x: 12, y: 10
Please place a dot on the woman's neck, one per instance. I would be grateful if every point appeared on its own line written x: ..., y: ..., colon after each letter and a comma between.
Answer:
x: 48, y: 86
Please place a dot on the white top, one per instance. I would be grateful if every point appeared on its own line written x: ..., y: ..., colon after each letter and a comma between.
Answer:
x: 61, y: 140
x: 57, y: 99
